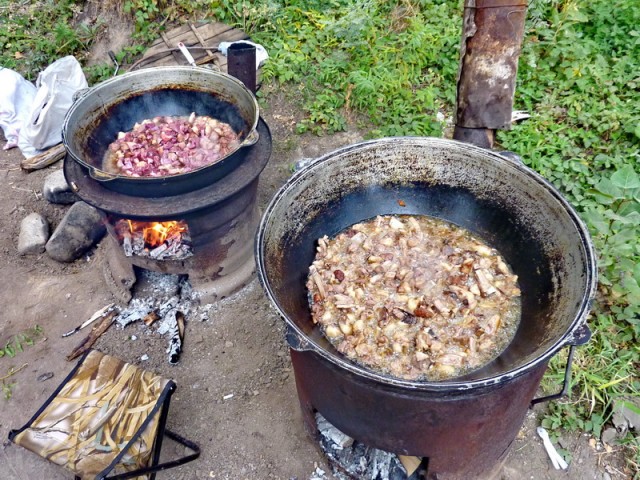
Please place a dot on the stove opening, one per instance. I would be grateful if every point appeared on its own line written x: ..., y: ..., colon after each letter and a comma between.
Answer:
x: 157, y: 240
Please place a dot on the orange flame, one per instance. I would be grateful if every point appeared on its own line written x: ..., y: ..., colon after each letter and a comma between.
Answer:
x: 156, y: 233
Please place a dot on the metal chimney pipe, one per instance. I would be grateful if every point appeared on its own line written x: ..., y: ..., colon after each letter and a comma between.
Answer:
x: 241, y: 63
x: 492, y: 36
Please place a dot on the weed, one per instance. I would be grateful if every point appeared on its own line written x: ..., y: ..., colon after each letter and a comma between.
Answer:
x: 13, y: 347
x: 35, y: 33
x: 17, y: 343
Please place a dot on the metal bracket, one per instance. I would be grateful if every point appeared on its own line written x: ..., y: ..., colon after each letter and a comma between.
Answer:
x: 580, y: 336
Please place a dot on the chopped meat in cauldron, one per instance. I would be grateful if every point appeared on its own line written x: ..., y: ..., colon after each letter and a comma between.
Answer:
x: 169, y: 146
x: 414, y: 297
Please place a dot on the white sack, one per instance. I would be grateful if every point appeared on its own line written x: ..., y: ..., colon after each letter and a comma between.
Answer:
x: 56, y: 86
x: 16, y: 97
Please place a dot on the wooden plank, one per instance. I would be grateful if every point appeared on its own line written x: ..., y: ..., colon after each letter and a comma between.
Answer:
x: 200, y: 38
x: 177, y: 56
x: 208, y: 35
x: 44, y: 159
x: 187, y: 37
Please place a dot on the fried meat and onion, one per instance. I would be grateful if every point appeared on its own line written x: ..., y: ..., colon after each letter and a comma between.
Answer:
x: 414, y: 297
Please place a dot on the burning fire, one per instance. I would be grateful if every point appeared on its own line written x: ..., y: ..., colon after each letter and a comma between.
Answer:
x: 156, y: 233
x: 157, y: 240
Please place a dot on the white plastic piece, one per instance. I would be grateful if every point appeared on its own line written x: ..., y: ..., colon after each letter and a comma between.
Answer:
x: 56, y: 85
x: 556, y: 458
x: 518, y: 115
x: 16, y: 97
x: 187, y: 54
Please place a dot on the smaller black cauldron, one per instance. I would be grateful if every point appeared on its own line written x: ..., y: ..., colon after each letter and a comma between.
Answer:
x: 117, y: 104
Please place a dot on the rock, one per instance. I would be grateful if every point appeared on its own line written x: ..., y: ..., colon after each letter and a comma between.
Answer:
x: 45, y: 376
x: 80, y: 229
x: 34, y: 232
x: 608, y: 435
x: 626, y: 414
x: 57, y: 190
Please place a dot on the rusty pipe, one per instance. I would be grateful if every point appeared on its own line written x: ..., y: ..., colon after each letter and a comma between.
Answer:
x: 241, y: 63
x: 492, y: 36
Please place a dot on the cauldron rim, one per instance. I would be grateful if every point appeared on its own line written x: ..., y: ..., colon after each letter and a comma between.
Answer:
x: 300, y: 341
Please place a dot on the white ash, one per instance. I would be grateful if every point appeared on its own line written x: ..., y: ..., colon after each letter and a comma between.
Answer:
x: 318, y: 474
x: 355, y: 460
x: 171, y: 296
x: 137, y: 309
x: 169, y: 306
x: 170, y: 327
x: 204, y: 312
x: 332, y: 434
x: 175, y: 247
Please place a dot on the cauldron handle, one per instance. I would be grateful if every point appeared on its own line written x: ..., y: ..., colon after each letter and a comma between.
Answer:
x: 580, y: 336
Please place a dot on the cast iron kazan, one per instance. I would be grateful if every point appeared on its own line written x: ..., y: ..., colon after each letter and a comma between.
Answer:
x: 115, y: 105
x: 464, y: 425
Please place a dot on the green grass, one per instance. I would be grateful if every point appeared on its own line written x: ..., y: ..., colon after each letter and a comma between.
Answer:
x: 35, y: 33
x: 390, y: 67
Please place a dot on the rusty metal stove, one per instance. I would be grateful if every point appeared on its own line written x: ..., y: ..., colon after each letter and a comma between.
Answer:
x: 222, y: 219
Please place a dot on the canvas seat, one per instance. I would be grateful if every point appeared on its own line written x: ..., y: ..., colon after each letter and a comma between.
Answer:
x: 106, y: 418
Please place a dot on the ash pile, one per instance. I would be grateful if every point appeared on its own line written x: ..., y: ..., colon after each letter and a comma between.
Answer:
x: 163, y: 302
x: 352, y: 460
x: 161, y: 305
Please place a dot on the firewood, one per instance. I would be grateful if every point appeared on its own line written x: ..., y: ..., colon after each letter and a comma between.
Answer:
x: 151, y: 318
x: 100, y: 313
x: 93, y: 336
x: 410, y: 464
x: 180, y: 320
x: 44, y: 159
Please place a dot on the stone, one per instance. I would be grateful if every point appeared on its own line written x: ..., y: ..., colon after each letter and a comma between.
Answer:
x: 80, y: 229
x: 609, y: 435
x: 34, y: 233
x: 57, y: 190
x: 626, y: 413
x: 45, y: 376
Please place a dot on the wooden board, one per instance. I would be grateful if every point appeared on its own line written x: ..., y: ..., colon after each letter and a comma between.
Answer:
x: 204, y: 35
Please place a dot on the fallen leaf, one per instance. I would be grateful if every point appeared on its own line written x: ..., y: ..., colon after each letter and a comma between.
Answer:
x: 18, y: 55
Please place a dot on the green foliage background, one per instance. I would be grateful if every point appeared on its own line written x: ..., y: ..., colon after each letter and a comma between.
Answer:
x: 390, y: 68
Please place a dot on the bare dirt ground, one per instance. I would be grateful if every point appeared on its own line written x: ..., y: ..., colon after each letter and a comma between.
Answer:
x: 238, y: 350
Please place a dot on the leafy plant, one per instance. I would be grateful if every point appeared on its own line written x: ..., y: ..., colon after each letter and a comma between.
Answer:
x: 17, y: 343
x: 7, y: 389
x: 35, y: 33
x: 13, y: 347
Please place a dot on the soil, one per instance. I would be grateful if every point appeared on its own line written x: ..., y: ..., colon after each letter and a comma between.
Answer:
x: 236, y: 393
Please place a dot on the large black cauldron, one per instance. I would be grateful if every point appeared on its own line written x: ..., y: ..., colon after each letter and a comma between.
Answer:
x: 507, y: 204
